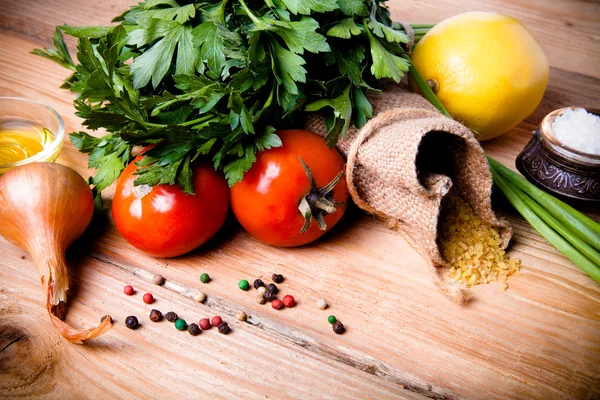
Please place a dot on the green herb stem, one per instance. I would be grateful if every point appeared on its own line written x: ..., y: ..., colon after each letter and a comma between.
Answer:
x: 426, y: 90
x: 515, y: 197
x: 582, y: 226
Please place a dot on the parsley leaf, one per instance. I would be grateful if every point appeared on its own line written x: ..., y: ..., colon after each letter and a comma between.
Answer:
x: 344, y: 29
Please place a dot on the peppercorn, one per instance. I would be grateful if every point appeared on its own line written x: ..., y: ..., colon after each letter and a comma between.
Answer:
x: 158, y: 279
x: 258, y: 283
x: 205, y: 324
x: 277, y: 278
x: 331, y: 319
x: 288, y: 300
x: 322, y: 304
x: 204, y: 278
x: 148, y: 298
x: 262, y: 290
x: 241, y: 316
x: 200, y: 297
x: 273, y: 288
x: 128, y: 290
x: 224, y: 328
x: 260, y: 299
x: 171, y: 316
x: 244, y: 285
x: 269, y: 296
x: 132, y: 322
x: 156, y: 316
x: 216, y: 320
x: 194, y: 329
x: 338, y: 327
x: 181, y: 325
x: 277, y: 304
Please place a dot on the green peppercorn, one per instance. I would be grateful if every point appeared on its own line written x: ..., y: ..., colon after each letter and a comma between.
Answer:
x: 331, y: 319
x: 244, y: 285
x: 204, y: 278
x: 180, y: 324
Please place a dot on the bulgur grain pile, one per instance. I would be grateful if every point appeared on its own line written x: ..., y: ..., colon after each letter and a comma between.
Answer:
x: 472, y: 247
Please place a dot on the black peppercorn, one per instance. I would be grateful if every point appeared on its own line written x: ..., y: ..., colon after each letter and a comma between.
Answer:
x: 155, y: 316
x: 273, y: 288
x: 171, y: 316
x: 224, y: 328
x: 277, y: 278
x: 131, y: 322
x: 194, y: 329
x: 258, y: 283
x: 269, y: 295
x: 338, y: 327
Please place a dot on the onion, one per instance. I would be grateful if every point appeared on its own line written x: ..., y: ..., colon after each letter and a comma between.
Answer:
x: 44, y: 207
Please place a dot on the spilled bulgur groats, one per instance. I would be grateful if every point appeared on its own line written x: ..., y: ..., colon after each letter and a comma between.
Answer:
x: 472, y: 247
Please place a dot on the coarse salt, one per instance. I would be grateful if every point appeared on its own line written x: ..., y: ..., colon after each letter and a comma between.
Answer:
x: 578, y: 130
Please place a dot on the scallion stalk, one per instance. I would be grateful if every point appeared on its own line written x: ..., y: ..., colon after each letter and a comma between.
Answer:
x: 579, y: 224
x: 515, y: 197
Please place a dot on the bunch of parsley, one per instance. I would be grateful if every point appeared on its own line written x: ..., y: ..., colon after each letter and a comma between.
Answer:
x: 216, y: 78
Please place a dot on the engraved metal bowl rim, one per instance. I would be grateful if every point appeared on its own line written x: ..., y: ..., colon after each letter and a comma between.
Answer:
x: 570, y: 154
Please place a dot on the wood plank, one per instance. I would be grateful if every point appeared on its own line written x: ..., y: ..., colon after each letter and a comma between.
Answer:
x: 540, y: 339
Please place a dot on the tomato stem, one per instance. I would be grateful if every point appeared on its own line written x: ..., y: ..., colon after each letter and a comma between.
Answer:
x: 317, y: 203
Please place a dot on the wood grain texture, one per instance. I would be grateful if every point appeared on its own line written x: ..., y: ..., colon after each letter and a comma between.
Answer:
x: 538, y: 340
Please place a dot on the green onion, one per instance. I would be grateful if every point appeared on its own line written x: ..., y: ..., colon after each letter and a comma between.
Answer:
x: 584, y: 227
x: 515, y: 197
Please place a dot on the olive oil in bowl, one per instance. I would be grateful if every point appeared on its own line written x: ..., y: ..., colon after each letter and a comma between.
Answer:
x: 29, y: 131
x: 21, y: 139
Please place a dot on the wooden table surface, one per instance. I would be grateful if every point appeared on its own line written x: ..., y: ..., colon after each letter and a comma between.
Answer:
x: 540, y: 339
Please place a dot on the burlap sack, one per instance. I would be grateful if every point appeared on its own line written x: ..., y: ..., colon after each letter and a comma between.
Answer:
x: 394, y: 170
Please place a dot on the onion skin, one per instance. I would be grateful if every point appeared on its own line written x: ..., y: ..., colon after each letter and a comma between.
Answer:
x: 44, y: 207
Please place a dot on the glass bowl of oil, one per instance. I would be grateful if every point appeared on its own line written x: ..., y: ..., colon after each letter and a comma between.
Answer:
x: 30, y: 131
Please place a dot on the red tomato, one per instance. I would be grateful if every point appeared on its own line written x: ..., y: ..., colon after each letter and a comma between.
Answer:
x: 163, y: 221
x: 266, y: 201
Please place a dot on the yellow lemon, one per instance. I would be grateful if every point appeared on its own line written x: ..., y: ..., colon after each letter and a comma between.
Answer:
x: 486, y: 69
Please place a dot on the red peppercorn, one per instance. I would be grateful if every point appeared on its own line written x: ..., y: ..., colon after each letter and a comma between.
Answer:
x: 128, y: 290
x: 289, y: 300
x: 148, y: 298
x: 277, y: 304
x: 204, y: 324
x: 216, y: 320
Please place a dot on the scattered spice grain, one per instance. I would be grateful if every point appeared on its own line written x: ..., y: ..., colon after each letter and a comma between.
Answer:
x: 277, y: 304
x: 322, y: 304
x: 194, y: 329
x: 262, y: 290
x: 148, y: 298
x: 158, y: 279
x: 277, y: 278
x: 224, y: 328
x: 260, y: 299
x: 258, y: 283
x: 171, y: 316
x: 204, y: 278
x: 205, y: 324
x: 269, y: 296
x: 128, y: 290
x: 132, y: 322
x: 181, y: 325
x: 331, y: 319
x: 200, y: 297
x: 156, y: 316
x: 338, y: 327
x: 216, y: 320
x: 241, y: 316
x: 288, y: 300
